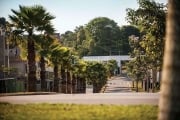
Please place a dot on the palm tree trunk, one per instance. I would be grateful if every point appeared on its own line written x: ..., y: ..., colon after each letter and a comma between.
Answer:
x: 56, y: 80
x: 137, y: 81
x: 95, y: 87
x: 63, y: 76
x: 73, y: 83
x: 32, y: 65
x: 68, y: 82
x: 43, y: 74
x: 78, y: 84
x: 154, y: 75
x: 169, y: 105
x: 82, y: 85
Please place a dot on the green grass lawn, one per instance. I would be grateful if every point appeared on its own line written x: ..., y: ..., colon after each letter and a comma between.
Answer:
x: 76, y: 112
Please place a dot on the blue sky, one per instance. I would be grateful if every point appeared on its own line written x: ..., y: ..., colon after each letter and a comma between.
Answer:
x: 72, y: 13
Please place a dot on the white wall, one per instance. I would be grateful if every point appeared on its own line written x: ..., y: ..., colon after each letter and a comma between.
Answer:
x: 118, y: 58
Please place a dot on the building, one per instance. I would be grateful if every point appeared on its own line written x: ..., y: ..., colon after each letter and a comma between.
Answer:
x: 10, y: 58
x: 12, y: 68
x: 118, y: 58
x: 2, y: 46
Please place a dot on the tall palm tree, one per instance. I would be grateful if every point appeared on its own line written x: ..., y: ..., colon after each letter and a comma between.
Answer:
x: 44, y: 41
x: 61, y: 59
x: 28, y: 20
x: 170, y: 98
x: 65, y: 65
x: 55, y: 57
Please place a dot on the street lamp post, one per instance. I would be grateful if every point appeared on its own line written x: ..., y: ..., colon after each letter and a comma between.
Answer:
x: 109, y: 30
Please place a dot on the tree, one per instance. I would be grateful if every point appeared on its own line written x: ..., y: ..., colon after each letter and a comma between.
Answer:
x: 2, y: 21
x: 136, y: 68
x: 44, y: 40
x: 62, y: 60
x: 96, y: 75
x: 55, y: 57
x: 77, y: 40
x: 111, y: 67
x: 103, y: 36
x: 28, y: 20
x: 169, y: 105
x: 79, y: 75
x: 82, y: 41
x: 66, y: 69
x: 69, y: 39
x: 150, y: 19
x: 43, y: 43
x: 126, y: 32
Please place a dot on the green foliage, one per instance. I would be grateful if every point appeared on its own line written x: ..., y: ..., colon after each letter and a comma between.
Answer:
x: 77, y: 112
x: 101, y: 36
x: 96, y: 73
x: 111, y: 66
x: 59, y: 55
x: 126, y: 32
x: 150, y: 19
x: 104, y: 36
x: 82, y: 42
x: 79, y: 68
x: 29, y: 20
x: 148, y: 48
x: 78, y: 40
x: 2, y: 21
x: 69, y: 39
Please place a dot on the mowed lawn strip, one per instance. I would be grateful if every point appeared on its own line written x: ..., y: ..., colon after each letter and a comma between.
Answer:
x: 47, y: 111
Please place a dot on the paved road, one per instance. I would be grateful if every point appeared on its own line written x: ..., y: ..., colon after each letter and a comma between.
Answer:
x: 99, y: 98
x: 118, y: 92
x: 118, y: 84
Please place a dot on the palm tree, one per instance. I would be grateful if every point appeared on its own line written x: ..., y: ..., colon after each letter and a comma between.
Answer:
x: 55, y: 58
x: 61, y: 57
x: 97, y: 75
x: 44, y: 41
x: 65, y: 64
x: 78, y: 75
x: 58, y: 57
x: 170, y: 98
x: 68, y: 64
x: 28, y: 20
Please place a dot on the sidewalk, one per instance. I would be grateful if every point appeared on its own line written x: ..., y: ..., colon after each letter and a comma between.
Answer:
x: 26, y: 93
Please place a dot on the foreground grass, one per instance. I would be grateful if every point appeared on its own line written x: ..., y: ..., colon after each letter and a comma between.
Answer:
x: 76, y: 112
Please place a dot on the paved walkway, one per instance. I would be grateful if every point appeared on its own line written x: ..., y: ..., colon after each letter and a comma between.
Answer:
x: 118, y: 84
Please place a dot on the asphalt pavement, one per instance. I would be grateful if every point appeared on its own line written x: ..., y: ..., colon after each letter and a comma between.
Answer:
x: 118, y: 85
x: 117, y: 92
x: 99, y: 98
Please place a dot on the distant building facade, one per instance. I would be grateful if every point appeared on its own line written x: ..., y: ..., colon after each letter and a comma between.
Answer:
x: 2, y: 46
x: 10, y: 58
x: 117, y: 58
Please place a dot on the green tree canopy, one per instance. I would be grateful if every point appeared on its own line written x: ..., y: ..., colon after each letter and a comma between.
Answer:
x: 125, y: 32
x: 150, y: 19
x: 104, y: 36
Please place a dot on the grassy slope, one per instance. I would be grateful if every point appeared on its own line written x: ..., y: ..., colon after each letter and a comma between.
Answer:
x: 76, y: 112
